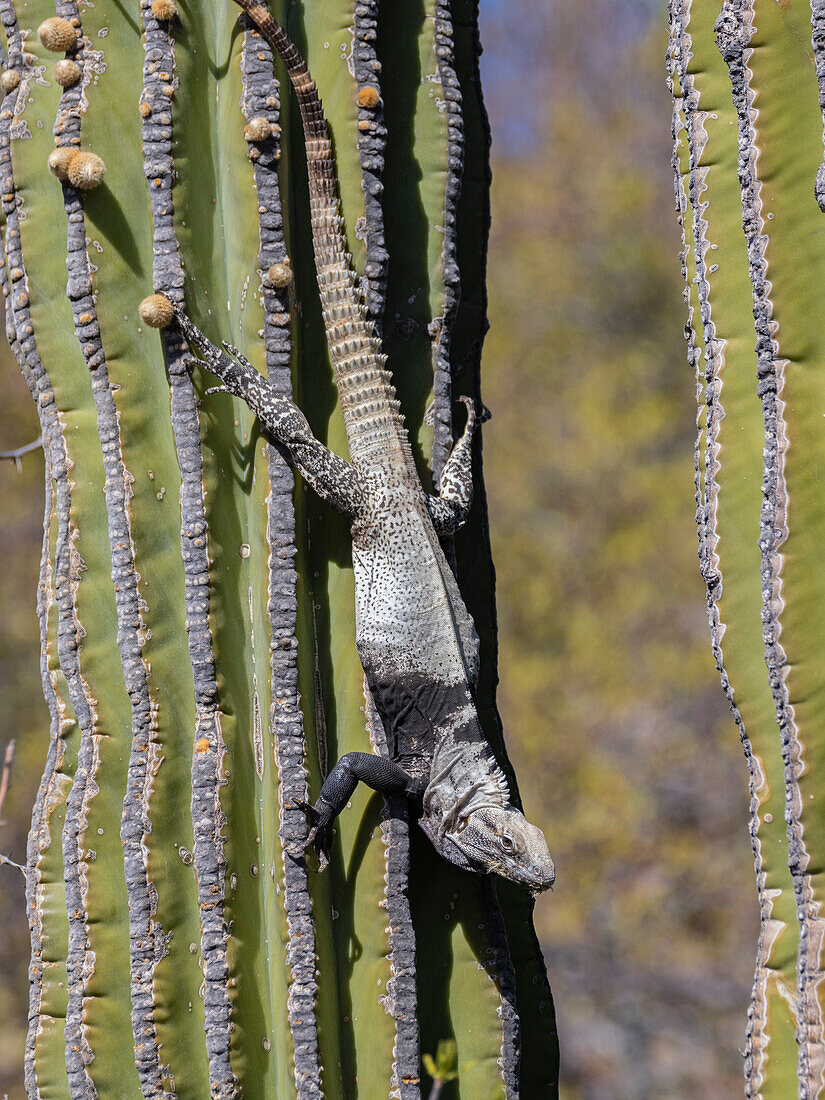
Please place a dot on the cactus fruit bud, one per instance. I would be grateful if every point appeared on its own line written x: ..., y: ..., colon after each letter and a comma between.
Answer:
x: 9, y: 80
x: 164, y: 10
x: 58, y: 161
x: 368, y: 97
x: 57, y: 34
x: 85, y: 170
x: 257, y: 129
x: 66, y: 73
x: 156, y: 311
x: 280, y: 275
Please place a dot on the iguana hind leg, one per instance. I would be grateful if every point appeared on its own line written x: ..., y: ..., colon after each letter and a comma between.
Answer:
x: 377, y: 772
x: 332, y: 478
x: 450, y: 509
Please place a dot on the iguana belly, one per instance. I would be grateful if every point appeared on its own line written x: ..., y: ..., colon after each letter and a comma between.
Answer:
x: 416, y: 640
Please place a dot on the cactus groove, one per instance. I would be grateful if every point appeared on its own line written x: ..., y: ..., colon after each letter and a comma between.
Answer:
x: 196, y: 605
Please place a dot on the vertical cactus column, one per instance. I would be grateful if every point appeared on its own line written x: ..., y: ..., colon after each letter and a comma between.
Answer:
x: 196, y: 605
x: 748, y: 156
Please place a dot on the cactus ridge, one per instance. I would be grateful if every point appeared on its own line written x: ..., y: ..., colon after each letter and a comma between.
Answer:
x: 66, y: 578
x: 735, y: 27
x: 709, y: 391
x: 372, y: 141
x: 210, y: 750
x: 51, y: 792
x: 401, y: 997
x: 501, y: 970
x: 135, y: 827
x: 260, y: 99
x: 450, y: 273
x: 818, y: 43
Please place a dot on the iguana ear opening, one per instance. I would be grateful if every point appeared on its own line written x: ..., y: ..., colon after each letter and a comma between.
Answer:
x: 445, y: 847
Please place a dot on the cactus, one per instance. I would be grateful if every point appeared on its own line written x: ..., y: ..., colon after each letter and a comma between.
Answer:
x: 748, y: 154
x: 195, y: 606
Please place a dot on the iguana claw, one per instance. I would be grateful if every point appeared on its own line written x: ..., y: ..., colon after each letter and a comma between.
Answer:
x: 319, y: 835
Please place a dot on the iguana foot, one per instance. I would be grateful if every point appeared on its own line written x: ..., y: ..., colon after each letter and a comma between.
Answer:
x: 319, y: 835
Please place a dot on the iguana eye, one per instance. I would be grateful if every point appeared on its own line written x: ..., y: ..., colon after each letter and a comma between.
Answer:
x: 506, y: 842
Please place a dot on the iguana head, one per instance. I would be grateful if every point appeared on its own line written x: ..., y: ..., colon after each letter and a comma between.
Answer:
x: 498, y: 840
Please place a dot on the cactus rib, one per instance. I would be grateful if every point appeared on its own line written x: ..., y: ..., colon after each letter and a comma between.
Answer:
x: 401, y: 998
x: 372, y: 140
x: 445, y: 42
x: 210, y: 749
x: 66, y: 579
x: 49, y: 791
x: 260, y: 99
x: 442, y: 370
x: 735, y: 28
x: 818, y: 43
x: 710, y: 398
x: 39, y: 832
x: 135, y: 825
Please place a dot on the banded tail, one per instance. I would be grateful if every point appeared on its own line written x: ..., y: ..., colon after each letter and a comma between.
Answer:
x: 372, y: 416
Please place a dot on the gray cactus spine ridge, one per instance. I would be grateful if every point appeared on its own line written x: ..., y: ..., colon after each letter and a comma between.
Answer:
x: 261, y: 99
x: 206, y: 772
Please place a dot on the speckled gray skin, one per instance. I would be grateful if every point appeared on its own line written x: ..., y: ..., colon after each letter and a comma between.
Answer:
x: 415, y: 637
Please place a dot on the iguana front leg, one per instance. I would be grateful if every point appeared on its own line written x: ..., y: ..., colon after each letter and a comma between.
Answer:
x: 450, y: 509
x: 332, y: 478
x: 377, y: 772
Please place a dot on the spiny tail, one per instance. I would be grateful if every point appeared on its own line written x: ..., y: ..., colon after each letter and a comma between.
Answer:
x: 373, y: 421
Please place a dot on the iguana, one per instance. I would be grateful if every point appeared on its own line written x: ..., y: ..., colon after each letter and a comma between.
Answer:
x: 415, y: 637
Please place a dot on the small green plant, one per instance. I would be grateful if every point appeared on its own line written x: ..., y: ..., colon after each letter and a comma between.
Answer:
x: 442, y: 1068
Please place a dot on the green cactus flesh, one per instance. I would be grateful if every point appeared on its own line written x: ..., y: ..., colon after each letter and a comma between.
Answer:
x: 196, y: 606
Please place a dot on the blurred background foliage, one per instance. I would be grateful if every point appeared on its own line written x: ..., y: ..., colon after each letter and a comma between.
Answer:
x: 613, y: 713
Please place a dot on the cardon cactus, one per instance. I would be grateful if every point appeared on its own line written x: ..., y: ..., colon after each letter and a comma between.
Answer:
x: 748, y: 82
x: 196, y: 606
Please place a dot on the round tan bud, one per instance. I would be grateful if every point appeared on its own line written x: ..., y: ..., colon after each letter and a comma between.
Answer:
x: 57, y: 34
x: 66, y: 73
x: 156, y: 311
x: 280, y: 275
x: 257, y: 129
x: 368, y: 97
x: 9, y: 79
x: 145, y: 109
x: 59, y: 159
x: 165, y: 10
x: 86, y: 170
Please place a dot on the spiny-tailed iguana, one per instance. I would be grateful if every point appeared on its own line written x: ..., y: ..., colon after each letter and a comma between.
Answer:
x: 415, y: 637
